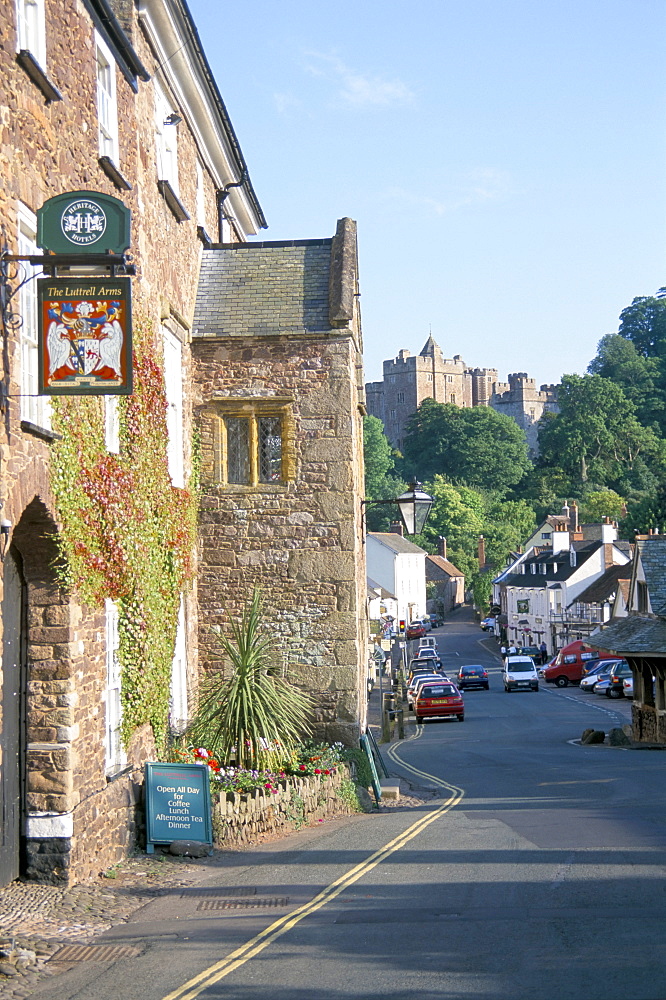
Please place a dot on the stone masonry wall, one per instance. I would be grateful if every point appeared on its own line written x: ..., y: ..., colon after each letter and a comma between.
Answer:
x: 298, y: 542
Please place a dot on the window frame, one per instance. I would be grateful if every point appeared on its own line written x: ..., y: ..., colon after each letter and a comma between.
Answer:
x: 31, y: 37
x: 116, y: 758
x: 254, y: 410
x: 166, y: 140
x: 107, y: 130
x: 173, y: 385
x: 35, y: 408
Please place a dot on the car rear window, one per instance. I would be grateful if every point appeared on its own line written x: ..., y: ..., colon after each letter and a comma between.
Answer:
x: 470, y: 671
x: 442, y: 690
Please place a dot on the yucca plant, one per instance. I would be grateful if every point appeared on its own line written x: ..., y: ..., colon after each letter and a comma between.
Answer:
x: 255, y: 716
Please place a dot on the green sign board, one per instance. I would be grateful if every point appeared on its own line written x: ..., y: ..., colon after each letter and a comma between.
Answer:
x: 177, y: 804
x: 83, y: 222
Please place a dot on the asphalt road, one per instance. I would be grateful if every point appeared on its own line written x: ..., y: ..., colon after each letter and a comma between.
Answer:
x: 538, y: 874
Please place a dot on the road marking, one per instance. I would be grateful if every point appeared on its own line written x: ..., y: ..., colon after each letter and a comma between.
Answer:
x: 585, y: 704
x: 195, y: 986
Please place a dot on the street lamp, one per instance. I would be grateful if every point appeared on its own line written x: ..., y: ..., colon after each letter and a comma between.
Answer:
x: 414, y: 506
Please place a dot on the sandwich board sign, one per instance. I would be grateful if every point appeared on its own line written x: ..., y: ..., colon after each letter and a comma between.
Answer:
x: 177, y: 804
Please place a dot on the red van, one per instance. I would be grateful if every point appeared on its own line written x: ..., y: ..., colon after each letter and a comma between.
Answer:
x: 568, y: 665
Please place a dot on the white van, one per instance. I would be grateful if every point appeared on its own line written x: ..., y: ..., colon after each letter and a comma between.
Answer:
x: 519, y: 674
x: 428, y: 640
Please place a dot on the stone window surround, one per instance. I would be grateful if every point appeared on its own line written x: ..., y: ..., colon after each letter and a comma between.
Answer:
x: 252, y: 408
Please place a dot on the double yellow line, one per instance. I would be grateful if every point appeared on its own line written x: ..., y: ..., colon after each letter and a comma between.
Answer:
x: 195, y: 986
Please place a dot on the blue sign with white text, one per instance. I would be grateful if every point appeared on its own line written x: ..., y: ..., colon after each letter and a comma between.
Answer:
x: 177, y: 804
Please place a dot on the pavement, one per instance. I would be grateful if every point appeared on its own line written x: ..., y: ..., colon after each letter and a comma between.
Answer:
x: 38, y: 922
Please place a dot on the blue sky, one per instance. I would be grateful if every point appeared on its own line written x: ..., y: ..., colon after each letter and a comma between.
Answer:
x: 504, y: 160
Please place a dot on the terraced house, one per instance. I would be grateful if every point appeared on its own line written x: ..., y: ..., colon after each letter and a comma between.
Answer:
x: 115, y: 145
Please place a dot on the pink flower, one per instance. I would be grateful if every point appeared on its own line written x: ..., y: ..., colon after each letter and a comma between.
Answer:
x: 302, y: 768
x: 317, y: 770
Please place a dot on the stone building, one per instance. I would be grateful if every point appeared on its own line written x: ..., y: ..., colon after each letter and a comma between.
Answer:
x: 276, y: 345
x: 409, y: 379
x: 112, y: 97
x: 520, y: 399
x: 445, y: 582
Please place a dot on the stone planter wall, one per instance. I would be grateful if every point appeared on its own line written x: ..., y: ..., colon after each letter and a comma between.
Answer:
x: 239, y: 819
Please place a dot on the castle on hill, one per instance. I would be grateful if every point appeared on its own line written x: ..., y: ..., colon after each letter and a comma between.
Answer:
x: 409, y: 379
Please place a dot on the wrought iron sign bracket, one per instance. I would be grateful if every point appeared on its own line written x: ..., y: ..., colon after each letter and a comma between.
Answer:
x: 114, y: 263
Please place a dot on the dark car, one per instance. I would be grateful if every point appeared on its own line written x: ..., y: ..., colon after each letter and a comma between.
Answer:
x: 473, y: 676
x: 616, y: 677
x: 532, y: 651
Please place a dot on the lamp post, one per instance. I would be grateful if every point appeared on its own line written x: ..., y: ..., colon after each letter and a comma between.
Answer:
x: 414, y: 506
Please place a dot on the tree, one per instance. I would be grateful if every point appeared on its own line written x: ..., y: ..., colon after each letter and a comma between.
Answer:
x: 473, y: 445
x: 381, y: 479
x: 596, y: 436
x: 650, y: 512
x: 638, y: 376
x: 644, y: 324
x: 598, y: 504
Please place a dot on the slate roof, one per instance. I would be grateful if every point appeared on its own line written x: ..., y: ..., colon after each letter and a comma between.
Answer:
x: 632, y: 635
x: 443, y: 564
x: 546, y: 557
x: 396, y: 542
x: 653, y: 557
x: 383, y: 594
x: 264, y: 289
x: 429, y: 348
x: 607, y: 585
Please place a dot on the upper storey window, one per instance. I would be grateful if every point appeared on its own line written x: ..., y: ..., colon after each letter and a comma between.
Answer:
x: 31, y: 29
x: 107, y: 104
x: 166, y: 140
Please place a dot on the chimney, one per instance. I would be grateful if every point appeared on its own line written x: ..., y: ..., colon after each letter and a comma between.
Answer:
x: 608, y: 531
x: 397, y: 528
x: 565, y: 510
x: 442, y: 546
x: 482, y: 552
x: 560, y: 539
x: 573, y: 516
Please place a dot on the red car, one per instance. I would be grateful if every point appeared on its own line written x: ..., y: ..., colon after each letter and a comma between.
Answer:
x: 439, y: 700
x: 415, y: 631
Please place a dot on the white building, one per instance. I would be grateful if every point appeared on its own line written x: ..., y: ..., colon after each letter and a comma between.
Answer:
x: 398, y: 566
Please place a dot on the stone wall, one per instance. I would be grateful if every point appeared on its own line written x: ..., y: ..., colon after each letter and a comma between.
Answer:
x: 78, y: 820
x: 239, y: 819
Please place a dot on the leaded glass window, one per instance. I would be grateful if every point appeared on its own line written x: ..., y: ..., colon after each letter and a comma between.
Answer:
x: 238, y: 449
x: 270, y: 449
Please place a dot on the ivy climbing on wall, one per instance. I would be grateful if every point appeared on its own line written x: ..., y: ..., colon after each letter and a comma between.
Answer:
x: 126, y: 533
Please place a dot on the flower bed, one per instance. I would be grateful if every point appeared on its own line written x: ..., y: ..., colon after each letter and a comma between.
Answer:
x: 240, y: 818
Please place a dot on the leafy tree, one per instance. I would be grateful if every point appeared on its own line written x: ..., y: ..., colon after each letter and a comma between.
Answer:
x: 644, y: 324
x: 596, y: 436
x: 473, y: 445
x: 381, y: 479
x: 650, y: 512
x: 598, y: 504
x: 638, y: 376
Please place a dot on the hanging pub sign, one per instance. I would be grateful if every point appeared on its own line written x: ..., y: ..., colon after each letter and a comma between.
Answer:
x: 83, y: 222
x: 85, y: 336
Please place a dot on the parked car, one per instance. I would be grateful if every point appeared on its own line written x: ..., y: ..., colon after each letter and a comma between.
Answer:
x: 415, y: 630
x: 429, y: 653
x: 601, y: 687
x: 417, y: 681
x: 598, y: 672
x: 488, y: 624
x: 519, y: 674
x: 439, y: 701
x: 436, y: 620
x: 473, y: 676
x: 569, y: 663
x: 617, y: 674
x: 628, y: 687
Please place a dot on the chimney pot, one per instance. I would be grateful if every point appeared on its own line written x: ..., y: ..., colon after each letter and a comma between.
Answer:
x: 397, y: 528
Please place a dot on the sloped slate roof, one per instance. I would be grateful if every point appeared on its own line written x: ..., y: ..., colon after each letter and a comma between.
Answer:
x: 633, y: 634
x: 383, y: 594
x: 443, y: 564
x: 539, y: 580
x: 263, y: 289
x: 396, y: 542
x: 605, y: 586
x: 653, y: 556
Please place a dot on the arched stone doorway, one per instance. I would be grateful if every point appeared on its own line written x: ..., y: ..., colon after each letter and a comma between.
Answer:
x: 12, y: 736
x: 41, y: 672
